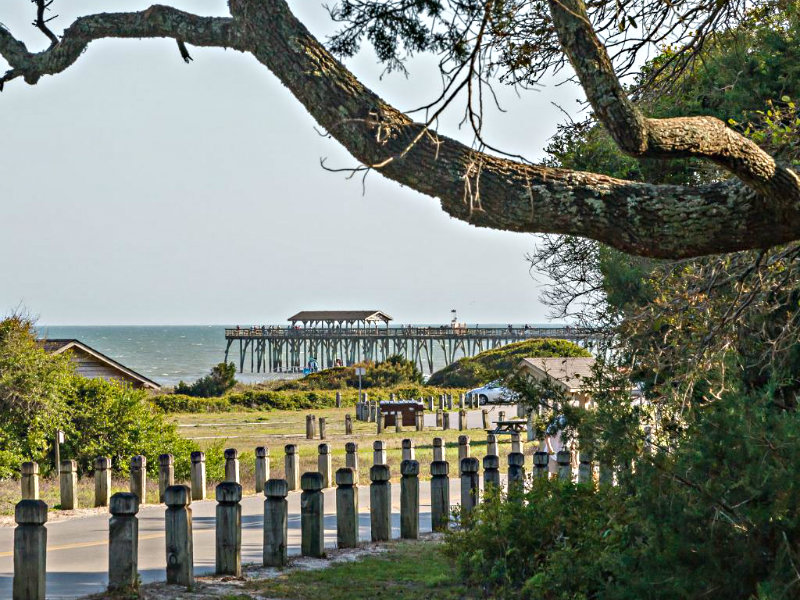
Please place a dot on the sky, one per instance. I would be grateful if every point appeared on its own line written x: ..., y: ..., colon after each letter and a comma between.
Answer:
x: 136, y: 189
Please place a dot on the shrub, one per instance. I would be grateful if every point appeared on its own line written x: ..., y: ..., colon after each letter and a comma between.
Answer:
x: 170, y: 403
x: 479, y: 369
x: 394, y: 371
x: 221, y: 379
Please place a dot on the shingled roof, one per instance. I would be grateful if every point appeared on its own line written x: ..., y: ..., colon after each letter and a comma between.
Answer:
x: 338, y: 316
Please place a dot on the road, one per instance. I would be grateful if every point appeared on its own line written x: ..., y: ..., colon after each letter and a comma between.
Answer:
x: 77, y: 549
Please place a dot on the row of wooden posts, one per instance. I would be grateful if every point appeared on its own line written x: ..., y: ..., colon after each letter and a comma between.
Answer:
x: 367, y: 410
x: 30, y: 536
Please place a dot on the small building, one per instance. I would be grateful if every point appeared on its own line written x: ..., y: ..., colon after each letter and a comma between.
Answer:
x: 92, y: 364
x: 568, y: 374
x: 339, y: 318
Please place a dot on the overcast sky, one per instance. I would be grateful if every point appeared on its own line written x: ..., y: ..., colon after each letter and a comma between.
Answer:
x: 138, y: 190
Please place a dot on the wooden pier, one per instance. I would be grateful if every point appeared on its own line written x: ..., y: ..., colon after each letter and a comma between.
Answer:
x: 277, y: 348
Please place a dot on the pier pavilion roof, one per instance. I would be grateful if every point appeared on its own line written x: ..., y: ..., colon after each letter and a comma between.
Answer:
x: 340, y: 316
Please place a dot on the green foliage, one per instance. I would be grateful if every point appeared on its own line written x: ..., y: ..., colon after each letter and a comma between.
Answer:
x: 394, y: 371
x: 499, y: 362
x: 221, y: 379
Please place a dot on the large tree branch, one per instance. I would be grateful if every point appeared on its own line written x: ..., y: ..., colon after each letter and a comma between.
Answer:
x: 658, y: 221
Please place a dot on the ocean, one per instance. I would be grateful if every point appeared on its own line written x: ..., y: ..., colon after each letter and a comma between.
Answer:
x: 168, y: 354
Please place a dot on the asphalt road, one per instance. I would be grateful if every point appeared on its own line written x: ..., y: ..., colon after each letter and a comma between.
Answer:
x: 77, y: 549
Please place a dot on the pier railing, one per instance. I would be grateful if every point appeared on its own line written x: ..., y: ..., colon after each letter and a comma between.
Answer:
x: 273, y: 332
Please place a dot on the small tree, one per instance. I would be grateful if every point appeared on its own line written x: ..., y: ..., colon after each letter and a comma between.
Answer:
x: 221, y: 379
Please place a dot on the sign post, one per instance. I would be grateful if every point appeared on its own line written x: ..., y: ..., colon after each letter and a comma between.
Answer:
x: 59, y: 441
x: 360, y: 371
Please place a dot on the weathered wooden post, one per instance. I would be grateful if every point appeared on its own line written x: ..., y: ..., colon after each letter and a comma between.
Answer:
x: 276, y: 522
x: 449, y: 401
x: 439, y: 417
x: 379, y: 422
x: 123, y: 543
x: 408, y: 450
x: 470, y: 484
x: 346, y: 508
x: 491, y: 445
x: 516, y: 443
x: 501, y: 415
x: 323, y: 428
x: 178, y: 525
x: 30, y: 550
x: 420, y: 420
x: 232, y: 465
x: 312, y: 516
x: 398, y: 422
x: 462, y: 420
x: 69, y: 484
x: 438, y: 449
x: 445, y: 420
x: 485, y: 418
x: 462, y: 400
x: 540, y: 460
x: 441, y: 402
x: 380, y: 503
x: 440, y: 495
x: 516, y: 471
x: 325, y: 464
x: 529, y: 428
x: 309, y: 427
x: 491, y: 472
x: 430, y: 403
x: 262, y: 467
x: 338, y: 399
x: 584, y: 467
x: 139, y: 477
x: 463, y: 447
x: 102, y: 481
x: 351, y: 457
x: 229, y: 529
x: 409, y: 499
x: 373, y: 411
x: 564, y: 460
x: 292, y: 467
x: 348, y: 424
x: 378, y: 452
x: 166, y: 474
x: 198, y: 475
x: 30, y: 481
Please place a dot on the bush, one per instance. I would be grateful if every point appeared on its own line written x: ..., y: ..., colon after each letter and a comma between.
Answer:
x: 470, y: 372
x: 221, y: 379
x: 394, y: 371
x: 170, y: 403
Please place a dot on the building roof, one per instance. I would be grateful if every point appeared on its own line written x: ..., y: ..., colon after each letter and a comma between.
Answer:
x: 340, y: 315
x: 57, y: 346
x: 569, y: 371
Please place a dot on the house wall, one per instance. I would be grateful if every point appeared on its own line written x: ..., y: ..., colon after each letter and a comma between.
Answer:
x: 88, y: 366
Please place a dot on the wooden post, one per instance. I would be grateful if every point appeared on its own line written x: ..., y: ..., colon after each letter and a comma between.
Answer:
x: 102, y: 481
x: 398, y: 422
x: 585, y: 467
x: 178, y: 525
x: 325, y: 464
x: 312, y: 516
x: 373, y: 411
x: 564, y: 460
x: 338, y: 399
x: 491, y: 472
x: 441, y: 402
x: 198, y: 475
x: 491, y: 445
x: 445, y: 421
x: 438, y: 449
x: 449, y: 401
x: 322, y: 428
x: 380, y: 503
x: 276, y: 522
x: 420, y: 420
x: 379, y: 421
x: 69, y: 485
x: 408, y: 450
x: 540, y: 460
x: 463, y: 447
x: 309, y: 427
x: 292, y: 467
x: 409, y: 499
x: 139, y: 478
x: 229, y: 529
x: 516, y: 444
x: 346, y: 508
x: 439, y: 417
x: 440, y: 495
x: 232, y: 465
x: 262, y: 467
x: 123, y: 543
x: 470, y: 484
x: 30, y: 550
x: 485, y: 418
x: 378, y: 452
x: 501, y: 415
x: 430, y: 403
x: 348, y: 425
x: 516, y: 471
x: 30, y: 481
x: 351, y: 457
x: 166, y: 474
x: 462, y: 401
x: 462, y: 420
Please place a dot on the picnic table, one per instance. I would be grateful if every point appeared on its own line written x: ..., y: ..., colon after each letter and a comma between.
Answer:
x: 510, y: 426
